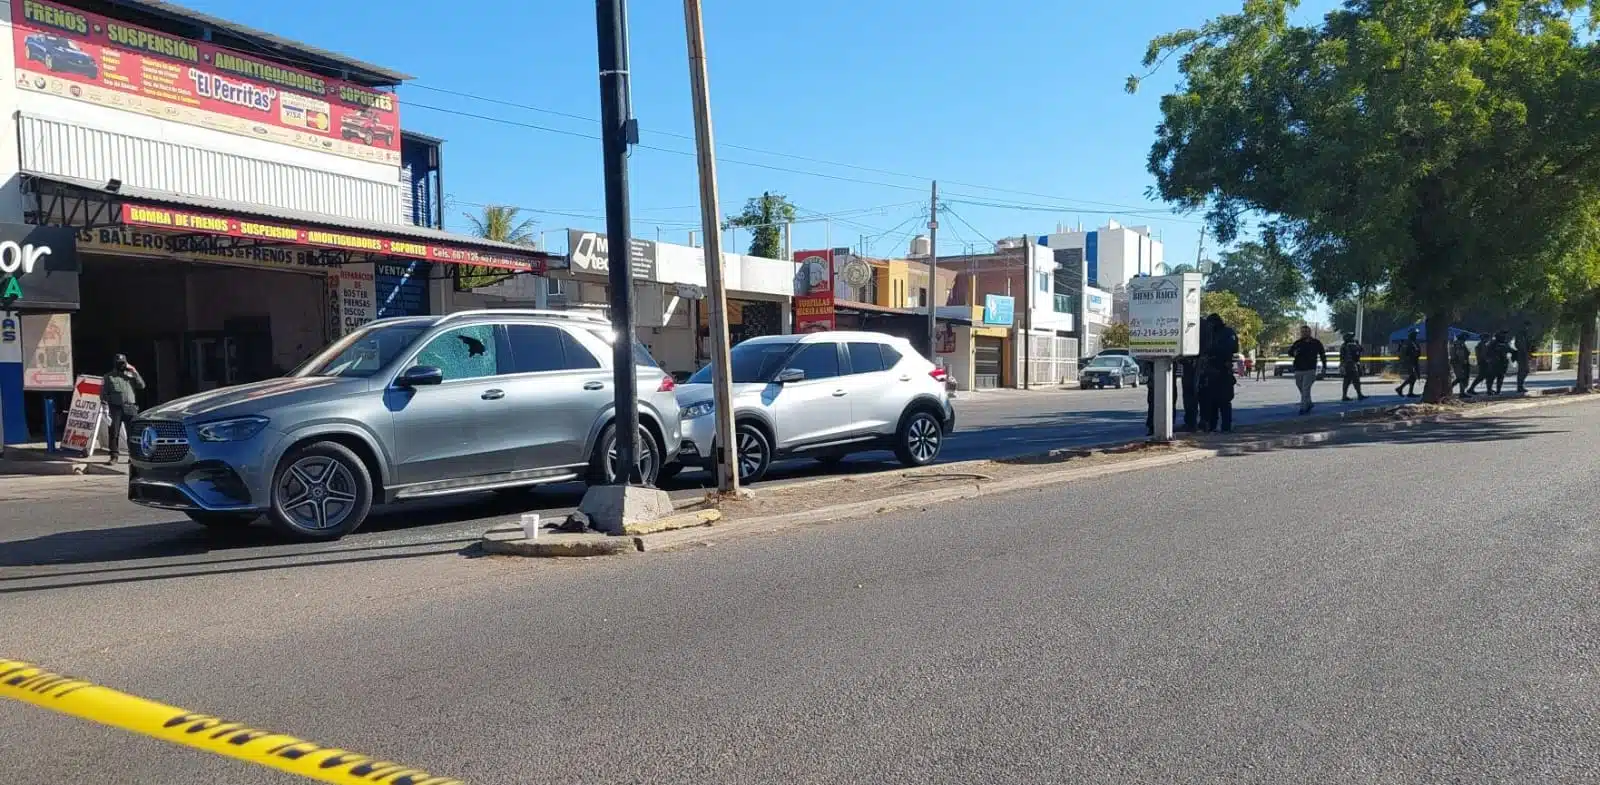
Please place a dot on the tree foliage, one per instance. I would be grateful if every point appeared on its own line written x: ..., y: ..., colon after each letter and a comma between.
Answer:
x: 1245, y: 322
x: 1116, y: 336
x: 1267, y: 281
x: 1424, y: 146
x: 502, y: 224
x: 1380, y: 319
x: 1181, y: 268
x: 764, y: 216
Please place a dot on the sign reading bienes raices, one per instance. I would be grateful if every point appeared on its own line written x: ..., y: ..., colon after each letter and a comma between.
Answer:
x: 1164, y: 315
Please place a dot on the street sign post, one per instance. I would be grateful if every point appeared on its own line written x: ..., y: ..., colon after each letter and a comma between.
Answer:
x: 1163, y: 325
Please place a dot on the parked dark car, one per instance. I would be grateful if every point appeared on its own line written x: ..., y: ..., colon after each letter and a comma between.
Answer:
x: 61, y: 55
x: 1110, y: 370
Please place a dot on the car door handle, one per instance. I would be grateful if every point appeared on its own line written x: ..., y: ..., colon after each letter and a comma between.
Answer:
x: 594, y: 385
x: 493, y: 395
x: 838, y: 393
x: 905, y: 378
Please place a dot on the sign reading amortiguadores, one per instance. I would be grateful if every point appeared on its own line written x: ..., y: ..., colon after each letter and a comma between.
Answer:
x: 72, y: 54
x: 1164, y: 315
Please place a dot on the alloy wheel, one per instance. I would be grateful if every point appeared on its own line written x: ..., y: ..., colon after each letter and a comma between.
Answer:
x: 317, y: 492
x: 922, y: 438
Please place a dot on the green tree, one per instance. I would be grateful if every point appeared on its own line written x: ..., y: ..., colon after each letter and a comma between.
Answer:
x: 499, y: 223
x: 1425, y: 146
x: 1381, y: 317
x: 764, y: 216
x: 1573, y: 285
x: 1116, y: 336
x: 1179, y: 269
x: 1267, y: 281
x: 1245, y: 322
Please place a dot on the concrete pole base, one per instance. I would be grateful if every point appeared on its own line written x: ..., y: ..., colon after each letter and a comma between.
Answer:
x: 611, y: 508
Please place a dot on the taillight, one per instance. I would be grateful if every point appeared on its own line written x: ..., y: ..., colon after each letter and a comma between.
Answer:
x: 938, y: 374
x: 667, y: 384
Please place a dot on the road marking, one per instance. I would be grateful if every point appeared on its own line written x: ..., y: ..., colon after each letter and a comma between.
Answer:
x: 32, y: 684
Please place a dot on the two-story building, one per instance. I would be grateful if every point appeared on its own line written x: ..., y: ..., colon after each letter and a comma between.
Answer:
x: 1034, y: 343
x: 237, y: 200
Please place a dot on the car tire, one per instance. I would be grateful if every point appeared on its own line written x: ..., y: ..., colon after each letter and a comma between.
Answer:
x: 600, y: 469
x: 754, y: 454
x: 919, y: 439
x: 223, y: 521
x: 1117, y: 384
x: 298, y: 510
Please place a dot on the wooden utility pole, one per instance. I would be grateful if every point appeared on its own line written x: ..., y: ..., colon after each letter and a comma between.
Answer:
x: 725, y: 451
x: 933, y: 273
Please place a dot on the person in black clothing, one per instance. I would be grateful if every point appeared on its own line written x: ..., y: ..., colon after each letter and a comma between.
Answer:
x: 1500, y: 361
x: 1216, y: 378
x: 1410, y: 365
x: 1350, y: 367
x: 1461, y: 362
x: 1524, y: 356
x: 1305, y: 353
x: 1481, y: 351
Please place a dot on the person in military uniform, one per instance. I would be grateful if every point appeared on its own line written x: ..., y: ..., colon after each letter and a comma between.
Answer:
x: 1217, y: 379
x: 1410, y: 365
x: 1524, y: 355
x: 1461, y: 362
x: 1350, y: 367
x: 1481, y: 353
x: 1499, y: 361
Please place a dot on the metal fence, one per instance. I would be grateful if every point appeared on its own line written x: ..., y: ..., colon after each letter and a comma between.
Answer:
x: 1052, y: 360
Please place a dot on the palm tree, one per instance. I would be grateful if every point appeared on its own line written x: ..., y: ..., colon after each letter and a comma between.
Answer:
x: 1179, y: 269
x: 499, y: 223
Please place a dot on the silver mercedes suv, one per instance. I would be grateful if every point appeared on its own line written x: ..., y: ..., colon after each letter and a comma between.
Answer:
x: 401, y: 409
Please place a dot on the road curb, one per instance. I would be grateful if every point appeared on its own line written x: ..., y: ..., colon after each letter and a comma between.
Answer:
x: 685, y: 520
x: 507, y: 540
x: 979, y: 487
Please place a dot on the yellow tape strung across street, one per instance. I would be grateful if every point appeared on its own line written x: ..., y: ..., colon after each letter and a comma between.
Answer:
x: 31, y: 684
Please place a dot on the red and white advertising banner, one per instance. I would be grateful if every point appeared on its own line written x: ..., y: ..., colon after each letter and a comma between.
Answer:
x: 189, y: 222
x: 813, y: 291
x: 66, y: 52
x: 85, y: 417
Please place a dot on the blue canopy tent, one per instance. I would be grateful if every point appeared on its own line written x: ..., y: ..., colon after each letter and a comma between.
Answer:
x: 1422, y: 333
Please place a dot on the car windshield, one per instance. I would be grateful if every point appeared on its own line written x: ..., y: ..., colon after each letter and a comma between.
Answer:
x: 751, y: 363
x: 1106, y: 362
x: 364, y: 352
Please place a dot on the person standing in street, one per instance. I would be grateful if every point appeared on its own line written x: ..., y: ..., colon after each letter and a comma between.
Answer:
x: 1306, y: 353
x: 1350, y: 367
x: 1217, y: 379
x: 120, y: 396
x: 1499, y: 361
x: 1524, y: 355
x: 1410, y: 365
x: 1261, y: 366
x: 1461, y: 362
x: 1481, y: 353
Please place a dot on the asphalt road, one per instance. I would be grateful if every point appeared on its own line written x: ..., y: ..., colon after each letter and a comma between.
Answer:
x: 51, y: 537
x: 1421, y: 607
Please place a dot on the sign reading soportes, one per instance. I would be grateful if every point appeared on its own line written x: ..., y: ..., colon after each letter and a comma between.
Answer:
x: 1164, y: 315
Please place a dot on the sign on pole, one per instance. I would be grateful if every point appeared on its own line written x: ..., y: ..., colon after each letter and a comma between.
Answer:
x: 1164, y: 316
x: 84, y: 417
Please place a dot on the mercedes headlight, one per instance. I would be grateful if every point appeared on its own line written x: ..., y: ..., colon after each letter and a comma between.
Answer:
x: 235, y: 430
x: 696, y: 410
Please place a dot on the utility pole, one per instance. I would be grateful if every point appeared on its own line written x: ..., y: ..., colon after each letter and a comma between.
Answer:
x: 1361, y: 316
x: 788, y: 241
x: 710, y: 216
x: 617, y: 131
x: 1027, y: 314
x: 933, y: 272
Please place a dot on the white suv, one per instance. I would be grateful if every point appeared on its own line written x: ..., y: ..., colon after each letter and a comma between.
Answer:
x: 821, y: 395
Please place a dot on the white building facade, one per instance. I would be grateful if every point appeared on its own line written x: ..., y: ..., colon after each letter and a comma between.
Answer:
x: 1114, y: 253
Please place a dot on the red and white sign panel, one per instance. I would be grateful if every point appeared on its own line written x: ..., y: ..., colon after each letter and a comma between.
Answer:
x: 84, y: 417
x: 66, y: 52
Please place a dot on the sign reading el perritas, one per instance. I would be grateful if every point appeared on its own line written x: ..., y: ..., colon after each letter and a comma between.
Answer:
x: 66, y: 52
x: 229, y: 226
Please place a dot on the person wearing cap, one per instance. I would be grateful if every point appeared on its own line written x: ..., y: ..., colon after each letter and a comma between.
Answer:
x: 1350, y: 367
x: 1410, y: 365
x: 120, y: 395
x: 1461, y: 362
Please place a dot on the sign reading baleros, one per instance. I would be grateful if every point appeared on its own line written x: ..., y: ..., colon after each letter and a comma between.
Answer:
x: 80, y: 56
x: 227, y: 226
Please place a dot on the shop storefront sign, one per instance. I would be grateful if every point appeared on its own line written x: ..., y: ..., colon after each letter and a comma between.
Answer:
x: 999, y: 309
x: 47, y: 352
x: 86, y: 57
x: 401, y: 288
x: 591, y: 252
x: 84, y: 416
x: 357, y: 300
x: 38, y: 268
x: 186, y: 222
x: 813, y: 291
x: 10, y: 337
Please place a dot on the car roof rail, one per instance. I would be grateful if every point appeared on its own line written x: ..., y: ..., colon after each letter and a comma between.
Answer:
x: 543, y: 313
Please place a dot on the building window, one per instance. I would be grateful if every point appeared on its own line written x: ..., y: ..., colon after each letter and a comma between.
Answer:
x: 1044, y: 282
x: 555, y: 286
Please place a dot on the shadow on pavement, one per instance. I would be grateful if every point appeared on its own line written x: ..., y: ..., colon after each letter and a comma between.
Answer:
x: 1465, y: 431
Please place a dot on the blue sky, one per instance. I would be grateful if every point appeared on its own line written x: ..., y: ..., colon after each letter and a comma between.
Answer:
x: 1023, y: 95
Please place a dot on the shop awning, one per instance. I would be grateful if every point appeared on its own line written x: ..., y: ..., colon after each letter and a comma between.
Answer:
x: 197, y: 223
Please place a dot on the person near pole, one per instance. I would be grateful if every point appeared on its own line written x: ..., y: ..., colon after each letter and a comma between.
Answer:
x: 1500, y: 360
x: 120, y: 396
x: 1217, y: 379
x: 1261, y: 366
x: 1461, y: 362
x: 1524, y: 355
x: 1306, y: 354
x: 1481, y: 354
x: 1350, y: 367
x: 1410, y: 365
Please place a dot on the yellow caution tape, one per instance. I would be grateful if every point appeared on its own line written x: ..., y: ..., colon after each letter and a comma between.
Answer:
x: 31, y: 684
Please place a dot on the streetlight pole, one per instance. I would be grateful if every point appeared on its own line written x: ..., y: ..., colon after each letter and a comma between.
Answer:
x: 725, y: 452
x: 617, y: 131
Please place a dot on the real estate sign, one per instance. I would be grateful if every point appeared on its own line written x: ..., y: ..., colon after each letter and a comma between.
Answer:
x: 1164, y: 315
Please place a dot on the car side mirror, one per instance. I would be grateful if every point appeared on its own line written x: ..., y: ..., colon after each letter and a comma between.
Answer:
x: 788, y: 375
x: 420, y: 376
